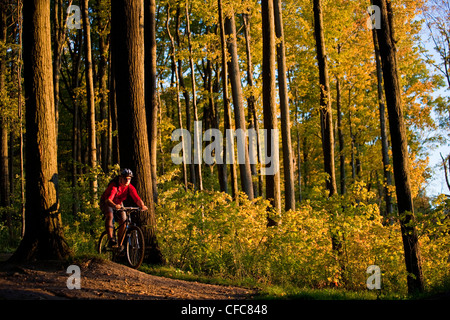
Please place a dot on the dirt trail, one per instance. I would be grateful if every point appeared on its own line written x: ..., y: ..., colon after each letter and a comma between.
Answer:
x: 103, y: 280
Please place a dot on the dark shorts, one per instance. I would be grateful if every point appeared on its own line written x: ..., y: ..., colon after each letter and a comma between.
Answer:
x: 117, y: 215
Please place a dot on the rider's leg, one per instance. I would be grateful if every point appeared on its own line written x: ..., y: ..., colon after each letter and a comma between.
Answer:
x: 109, y: 227
x: 121, y: 217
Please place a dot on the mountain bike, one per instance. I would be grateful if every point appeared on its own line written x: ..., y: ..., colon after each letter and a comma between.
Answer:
x: 132, y: 244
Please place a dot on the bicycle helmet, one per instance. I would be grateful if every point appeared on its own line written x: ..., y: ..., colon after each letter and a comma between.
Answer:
x: 126, y: 173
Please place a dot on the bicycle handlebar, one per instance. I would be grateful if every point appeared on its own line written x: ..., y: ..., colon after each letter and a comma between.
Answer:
x: 130, y: 208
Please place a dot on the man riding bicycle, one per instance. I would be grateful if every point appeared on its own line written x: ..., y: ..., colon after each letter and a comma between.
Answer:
x: 111, y: 202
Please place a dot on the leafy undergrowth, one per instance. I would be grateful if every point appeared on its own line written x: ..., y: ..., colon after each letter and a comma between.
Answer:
x: 207, y: 235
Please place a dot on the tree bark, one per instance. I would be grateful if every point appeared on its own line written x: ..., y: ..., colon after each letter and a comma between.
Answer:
x: 251, y: 101
x: 383, y: 130
x: 288, y: 161
x: 226, y: 103
x: 197, y: 153
x: 186, y: 96
x: 239, y: 115
x: 43, y: 237
x: 326, y: 122
x: 273, y: 192
x: 59, y: 30
x: 177, y: 93
x: 392, y: 89
x: 340, y: 137
x: 4, y: 159
x: 128, y: 61
x: 105, y: 139
x: 90, y: 100
x: 151, y: 98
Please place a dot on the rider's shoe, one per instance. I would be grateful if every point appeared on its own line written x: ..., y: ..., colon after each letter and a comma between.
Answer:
x: 112, y: 243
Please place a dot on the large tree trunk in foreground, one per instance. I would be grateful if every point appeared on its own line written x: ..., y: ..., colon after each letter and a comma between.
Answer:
x: 43, y: 237
x: 397, y: 128
x: 128, y: 53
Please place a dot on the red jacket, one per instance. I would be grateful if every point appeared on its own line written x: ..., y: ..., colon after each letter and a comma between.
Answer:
x: 117, y: 193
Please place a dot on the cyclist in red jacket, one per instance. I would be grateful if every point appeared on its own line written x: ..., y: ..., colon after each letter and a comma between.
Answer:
x: 111, y: 202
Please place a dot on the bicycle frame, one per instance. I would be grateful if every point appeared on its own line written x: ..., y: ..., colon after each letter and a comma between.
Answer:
x: 127, y: 221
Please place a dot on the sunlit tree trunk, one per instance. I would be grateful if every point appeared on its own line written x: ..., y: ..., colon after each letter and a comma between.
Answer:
x: 151, y: 97
x: 177, y: 94
x: 4, y: 161
x: 288, y: 161
x: 226, y: 104
x: 383, y: 129
x: 273, y: 192
x: 239, y: 115
x: 43, y: 237
x: 392, y: 89
x: 90, y: 101
x: 197, y: 153
x: 128, y: 61
x: 251, y: 105
x: 326, y: 122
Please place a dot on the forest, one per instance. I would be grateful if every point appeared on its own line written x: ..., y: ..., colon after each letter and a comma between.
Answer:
x: 281, y: 145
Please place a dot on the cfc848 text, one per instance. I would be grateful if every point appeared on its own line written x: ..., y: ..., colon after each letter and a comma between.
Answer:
x: 230, y: 309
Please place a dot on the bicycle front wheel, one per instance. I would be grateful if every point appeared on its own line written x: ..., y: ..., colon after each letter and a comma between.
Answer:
x: 135, y: 246
x: 103, y: 247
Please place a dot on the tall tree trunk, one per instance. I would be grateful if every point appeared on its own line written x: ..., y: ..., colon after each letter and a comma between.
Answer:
x: 392, y: 89
x: 226, y: 103
x: 151, y: 97
x: 251, y: 101
x: 340, y: 137
x: 186, y: 96
x: 5, y: 192
x: 269, y: 107
x: 128, y: 54
x: 177, y: 93
x: 326, y: 122
x: 383, y: 131
x: 198, y: 152
x: 239, y: 115
x: 76, y: 132
x: 103, y: 45
x: 222, y: 170
x: 112, y: 105
x: 90, y: 100
x: 4, y: 163
x: 43, y: 237
x: 59, y: 33
x: 20, y: 114
x: 288, y: 161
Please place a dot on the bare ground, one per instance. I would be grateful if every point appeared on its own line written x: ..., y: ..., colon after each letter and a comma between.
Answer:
x: 105, y: 280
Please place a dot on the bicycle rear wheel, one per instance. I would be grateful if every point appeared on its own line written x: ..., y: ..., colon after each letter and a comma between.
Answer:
x: 135, y: 246
x: 103, y: 247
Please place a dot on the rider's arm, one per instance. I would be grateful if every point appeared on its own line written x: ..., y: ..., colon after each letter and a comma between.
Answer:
x: 141, y: 205
x: 109, y: 200
x: 110, y: 203
x: 136, y: 198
